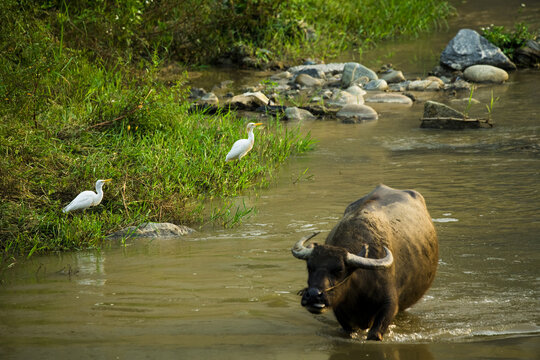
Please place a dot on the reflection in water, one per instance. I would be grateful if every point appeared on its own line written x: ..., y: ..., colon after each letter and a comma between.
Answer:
x: 90, y: 268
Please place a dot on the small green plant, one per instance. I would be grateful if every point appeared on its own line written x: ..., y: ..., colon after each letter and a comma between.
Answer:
x: 470, y: 101
x: 489, y: 107
x: 508, y: 41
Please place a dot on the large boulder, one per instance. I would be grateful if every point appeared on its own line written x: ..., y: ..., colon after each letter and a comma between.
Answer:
x: 353, y: 71
x: 485, y: 74
x: 469, y: 48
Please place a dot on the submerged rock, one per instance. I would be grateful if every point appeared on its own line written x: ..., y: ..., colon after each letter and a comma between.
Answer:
x: 485, y: 73
x: 357, y: 113
x: 152, y: 229
x: 441, y: 116
x: 469, y: 48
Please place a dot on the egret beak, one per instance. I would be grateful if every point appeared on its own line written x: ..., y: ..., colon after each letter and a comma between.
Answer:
x: 107, y: 180
x: 258, y: 124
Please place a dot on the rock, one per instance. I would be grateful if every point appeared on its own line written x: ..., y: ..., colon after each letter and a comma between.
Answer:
x: 152, y: 229
x: 326, y: 68
x: 342, y: 98
x: 469, y: 48
x: 390, y: 99
x: 434, y: 109
x: 356, y: 90
x: 353, y: 71
x: 357, y: 113
x: 440, y: 116
x: 313, y: 72
x: 294, y: 113
x: 250, y: 100
x: 284, y: 75
x: 458, y: 85
x: 307, y: 80
x: 378, y: 84
x: 399, y: 87
x: 529, y: 55
x: 210, y: 99
x: 393, y: 76
x: 424, y: 85
x: 485, y: 73
x: 196, y: 93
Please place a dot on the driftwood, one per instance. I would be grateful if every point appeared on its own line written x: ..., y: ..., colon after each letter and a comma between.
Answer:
x: 453, y: 123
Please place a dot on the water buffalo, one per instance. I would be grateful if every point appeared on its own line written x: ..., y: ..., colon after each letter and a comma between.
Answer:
x: 379, y: 259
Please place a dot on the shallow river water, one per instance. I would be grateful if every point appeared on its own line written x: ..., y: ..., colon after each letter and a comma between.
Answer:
x: 232, y: 293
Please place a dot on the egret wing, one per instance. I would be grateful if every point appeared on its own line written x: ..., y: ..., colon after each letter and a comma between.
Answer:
x: 82, y: 201
x: 238, y: 149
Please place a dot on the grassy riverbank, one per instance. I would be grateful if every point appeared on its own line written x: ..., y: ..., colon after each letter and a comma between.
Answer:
x: 81, y: 100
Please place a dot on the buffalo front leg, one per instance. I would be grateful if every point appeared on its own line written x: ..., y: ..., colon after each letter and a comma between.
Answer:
x: 382, y: 320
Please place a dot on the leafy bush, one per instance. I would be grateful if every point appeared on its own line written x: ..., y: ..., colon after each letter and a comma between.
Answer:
x: 508, y: 41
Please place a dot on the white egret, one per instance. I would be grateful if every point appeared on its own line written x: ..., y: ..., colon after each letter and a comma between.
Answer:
x: 87, y: 198
x: 241, y: 147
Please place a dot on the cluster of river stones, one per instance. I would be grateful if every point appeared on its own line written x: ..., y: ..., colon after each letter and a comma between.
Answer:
x: 349, y: 91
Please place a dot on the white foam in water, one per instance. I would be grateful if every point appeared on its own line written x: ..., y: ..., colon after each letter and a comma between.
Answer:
x: 445, y: 220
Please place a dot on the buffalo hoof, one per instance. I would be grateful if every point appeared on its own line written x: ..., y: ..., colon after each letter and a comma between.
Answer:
x: 375, y: 335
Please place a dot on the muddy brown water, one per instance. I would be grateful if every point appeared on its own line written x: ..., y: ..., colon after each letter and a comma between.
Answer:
x: 231, y: 293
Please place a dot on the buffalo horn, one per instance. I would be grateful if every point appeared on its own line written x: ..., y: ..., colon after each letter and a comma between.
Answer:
x: 299, y: 250
x: 367, y: 263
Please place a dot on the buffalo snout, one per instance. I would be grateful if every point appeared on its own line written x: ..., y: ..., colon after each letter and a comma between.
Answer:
x: 314, y: 300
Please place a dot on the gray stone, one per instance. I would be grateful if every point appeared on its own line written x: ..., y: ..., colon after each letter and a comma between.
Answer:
x: 210, y: 99
x: 152, y: 230
x: 313, y: 72
x: 393, y: 76
x: 390, y: 99
x: 433, y: 109
x: 326, y: 68
x: 469, y: 48
x: 357, y: 113
x: 356, y: 90
x: 281, y: 76
x: 378, y: 84
x: 353, y: 71
x: 250, y: 100
x: 485, y: 73
x: 294, y: 113
x: 528, y: 55
x: 307, y: 80
x: 425, y: 85
x: 342, y: 98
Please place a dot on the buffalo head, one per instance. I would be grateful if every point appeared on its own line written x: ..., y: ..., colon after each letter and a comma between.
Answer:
x: 329, y: 267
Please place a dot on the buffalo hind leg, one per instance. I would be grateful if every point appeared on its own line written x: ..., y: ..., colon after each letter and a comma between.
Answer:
x: 382, y: 320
